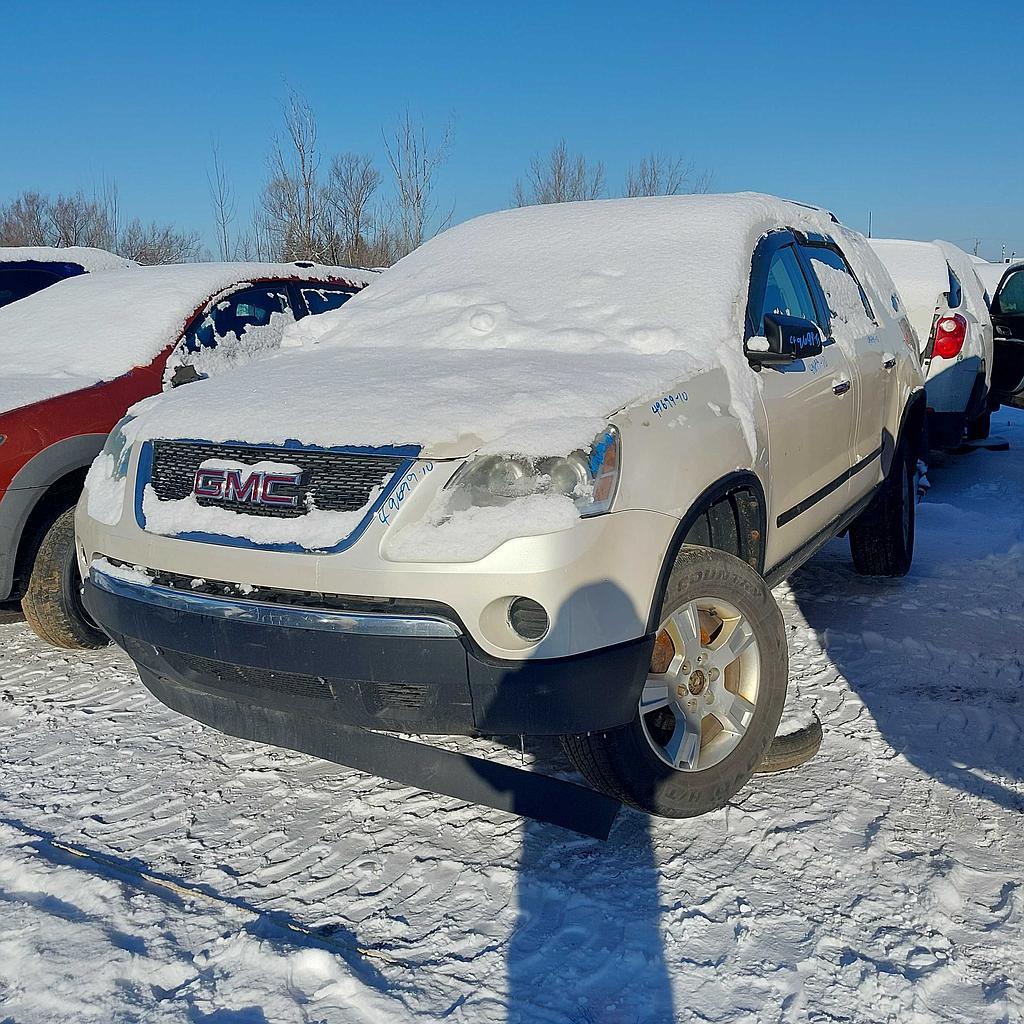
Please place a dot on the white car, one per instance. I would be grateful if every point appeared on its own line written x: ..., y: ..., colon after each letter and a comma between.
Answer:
x: 538, y: 480
x: 945, y: 301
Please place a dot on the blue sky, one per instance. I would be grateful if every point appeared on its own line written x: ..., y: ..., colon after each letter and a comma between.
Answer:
x: 908, y: 110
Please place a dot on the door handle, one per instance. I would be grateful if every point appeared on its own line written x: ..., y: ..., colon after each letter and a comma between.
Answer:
x: 841, y: 387
x: 888, y: 360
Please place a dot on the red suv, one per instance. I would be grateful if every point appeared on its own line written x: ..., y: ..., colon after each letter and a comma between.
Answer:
x: 78, y: 354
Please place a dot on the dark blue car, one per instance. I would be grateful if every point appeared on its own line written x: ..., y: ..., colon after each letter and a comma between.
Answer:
x: 28, y: 269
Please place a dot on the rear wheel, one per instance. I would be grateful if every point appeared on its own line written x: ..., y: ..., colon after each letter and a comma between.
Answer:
x: 713, y: 697
x: 882, y: 536
x: 53, y: 601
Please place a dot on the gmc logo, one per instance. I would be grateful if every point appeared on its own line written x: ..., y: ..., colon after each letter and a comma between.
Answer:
x: 256, y: 489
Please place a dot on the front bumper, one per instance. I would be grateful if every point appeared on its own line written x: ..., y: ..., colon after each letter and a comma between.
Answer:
x: 394, y: 671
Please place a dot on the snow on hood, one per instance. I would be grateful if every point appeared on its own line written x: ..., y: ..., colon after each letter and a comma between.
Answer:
x: 520, y: 331
x: 88, y: 258
x: 921, y: 277
x: 93, y: 328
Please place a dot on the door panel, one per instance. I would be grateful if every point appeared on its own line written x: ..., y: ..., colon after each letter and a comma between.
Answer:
x: 811, y: 411
x: 852, y: 326
x: 1008, y: 357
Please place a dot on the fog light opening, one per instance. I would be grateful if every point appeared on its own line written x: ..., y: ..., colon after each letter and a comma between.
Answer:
x: 528, y: 619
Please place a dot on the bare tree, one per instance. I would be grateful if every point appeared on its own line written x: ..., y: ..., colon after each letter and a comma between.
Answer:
x: 415, y: 162
x: 25, y: 220
x: 561, y: 177
x: 77, y: 219
x: 154, y: 244
x: 222, y: 198
x: 292, y: 199
x: 353, y: 184
x: 660, y: 175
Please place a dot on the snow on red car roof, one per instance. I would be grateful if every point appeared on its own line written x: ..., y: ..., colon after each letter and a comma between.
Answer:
x: 93, y: 328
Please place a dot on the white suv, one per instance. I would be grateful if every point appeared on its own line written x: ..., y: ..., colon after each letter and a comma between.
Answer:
x: 946, y: 305
x: 537, y: 480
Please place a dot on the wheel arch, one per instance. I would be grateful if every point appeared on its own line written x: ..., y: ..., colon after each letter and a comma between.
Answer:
x: 912, y: 425
x: 737, y: 497
x: 46, y: 486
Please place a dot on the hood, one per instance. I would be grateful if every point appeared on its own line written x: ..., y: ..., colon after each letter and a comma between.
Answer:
x: 450, y: 403
x: 517, y: 332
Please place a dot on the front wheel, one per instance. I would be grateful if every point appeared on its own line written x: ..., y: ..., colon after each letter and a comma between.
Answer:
x: 713, y: 698
x: 882, y: 536
x: 53, y: 601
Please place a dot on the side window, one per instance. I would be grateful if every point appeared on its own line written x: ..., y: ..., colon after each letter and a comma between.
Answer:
x: 238, y: 329
x: 1010, y: 297
x: 837, y: 280
x: 786, y: 290
x: 323, y: 298
x: 243, y: 313
x: 955, y: 292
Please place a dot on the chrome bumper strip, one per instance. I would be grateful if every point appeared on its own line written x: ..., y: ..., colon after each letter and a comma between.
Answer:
x: 264, y: 613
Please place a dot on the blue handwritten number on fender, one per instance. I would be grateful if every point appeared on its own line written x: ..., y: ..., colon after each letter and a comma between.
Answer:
x: 669, y: 402
x: 402, y: 491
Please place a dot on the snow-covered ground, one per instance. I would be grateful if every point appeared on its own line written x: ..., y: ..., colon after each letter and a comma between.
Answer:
x: 154, y: 870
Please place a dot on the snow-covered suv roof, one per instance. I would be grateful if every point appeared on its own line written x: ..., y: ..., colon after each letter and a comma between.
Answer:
x: 95, y: 327
x: 521, y: 330
x: 921, y: 276
x: 85, y: 256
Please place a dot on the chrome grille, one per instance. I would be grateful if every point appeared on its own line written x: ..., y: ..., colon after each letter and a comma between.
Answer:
x: 332, y: 481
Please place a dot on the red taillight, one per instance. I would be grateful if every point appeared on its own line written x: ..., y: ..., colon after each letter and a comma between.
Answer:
x: 950, y: 335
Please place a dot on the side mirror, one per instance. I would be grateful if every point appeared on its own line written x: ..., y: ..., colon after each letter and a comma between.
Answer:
x: 184, y: 373
x: 786, y: 339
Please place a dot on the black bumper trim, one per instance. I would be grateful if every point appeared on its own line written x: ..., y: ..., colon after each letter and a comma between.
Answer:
x: 414, y: 684
x: 462, y: 776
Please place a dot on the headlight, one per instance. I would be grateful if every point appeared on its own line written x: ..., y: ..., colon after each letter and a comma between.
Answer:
x: 118, y: 448
x: 589, y: 478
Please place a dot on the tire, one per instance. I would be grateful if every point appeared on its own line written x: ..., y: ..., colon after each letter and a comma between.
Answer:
x: 623, y: 762
x: 882, y: 536
x: 979, y: 429
x: 53, y: 601
x: 792, y: 750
